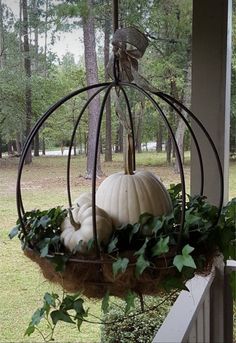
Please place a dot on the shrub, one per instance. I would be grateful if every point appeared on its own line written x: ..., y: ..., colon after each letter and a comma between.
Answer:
x: 128, y: 328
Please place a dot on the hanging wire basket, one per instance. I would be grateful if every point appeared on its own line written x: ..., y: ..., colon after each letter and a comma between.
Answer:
x: 93, y: 273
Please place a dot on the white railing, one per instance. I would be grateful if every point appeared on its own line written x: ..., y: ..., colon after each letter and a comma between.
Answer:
x: 205, y: 313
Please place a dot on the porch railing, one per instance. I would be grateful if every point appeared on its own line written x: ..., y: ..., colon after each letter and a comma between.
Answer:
x: 205, y: 313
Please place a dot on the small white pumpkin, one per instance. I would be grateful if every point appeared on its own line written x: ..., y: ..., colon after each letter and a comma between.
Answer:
x: 125, y: 197
x: 71, y: 236
x: 84, y: 198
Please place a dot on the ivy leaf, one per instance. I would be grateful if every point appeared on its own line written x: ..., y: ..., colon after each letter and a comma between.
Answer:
x: 67, y: 303
x: 112, y: 245
x: 141, y: 265
x: 129, y: 299
x: 185, y: 259
x: 44, y: 221
x: 192, y: 220
x: 30, y: 329
x: 37, y: 316
x: 141, y: 251
x: 78, y: 246
x: 79, y: 308
x: 134, y: 230
x: 157, y: 225
x: 79, y: 323
x: 50, y: 298
x: 120, y: 265
x: 90, y: 244
x: 179, y: 262
x: 175, y: 190
x: 161, y: 247
x: 153, y: 225
x: 60, y: 262
x: 80, y: 312
x: 144, y: 218
x: 44, y: 250
x: 105, y: 302
x: 187, y: 249
x: 172, y: 282
x: 62, y: 316
x: 14, y: 232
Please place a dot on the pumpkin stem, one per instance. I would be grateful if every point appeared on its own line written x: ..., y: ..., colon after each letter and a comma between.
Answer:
x: 73, y: 222
x: 128, y: 156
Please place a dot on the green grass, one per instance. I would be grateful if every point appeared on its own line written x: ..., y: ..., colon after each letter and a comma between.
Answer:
x: 43, y: 186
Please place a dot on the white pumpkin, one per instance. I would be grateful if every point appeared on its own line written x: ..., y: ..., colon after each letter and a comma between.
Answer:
x: 84, y: 198
x: 125, y: 197
x: 71, y: 236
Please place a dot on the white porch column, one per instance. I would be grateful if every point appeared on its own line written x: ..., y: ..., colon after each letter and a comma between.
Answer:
x: 211, y: 78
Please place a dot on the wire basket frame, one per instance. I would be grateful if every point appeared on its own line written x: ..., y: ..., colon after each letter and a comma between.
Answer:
x: 153, y: 98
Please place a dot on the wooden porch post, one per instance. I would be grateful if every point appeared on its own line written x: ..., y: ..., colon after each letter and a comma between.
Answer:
x: 211, y: 78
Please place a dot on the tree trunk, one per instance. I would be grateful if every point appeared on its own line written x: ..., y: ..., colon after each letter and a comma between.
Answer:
x: 9, y: 148
x: 85, y: 144
x: 139, y: 123
x: 43, y: 147
x: 138, y: 144
x: 168, y: 149
x: 169, y: 144
x: 92, y: 78
x: 1, y: 57
x: 1, y: 36
x: 21, y: 32
x: 46, y: 38
x: 159, y: 137
x: 18, y: 143
x: 36, y: 145
x: 119, y: 138
x: 27, y: 67
x: 108, y: 149
x: 186, y: 99
x: 0, y: 146
x: 74, y: 122
x: 36, y: 62
x: 36, y: 34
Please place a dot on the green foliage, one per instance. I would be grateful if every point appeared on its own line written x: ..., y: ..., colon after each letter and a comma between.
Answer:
x: 42, y: 232
x: 120, y: 266
x: 184, y: 260
x: 68, y: 309
x: 141, y: 264
x: 130, y: 301
x: 161, y: 247
x: 202, y: 236
x: 137, y: 327
x: 105, y: 303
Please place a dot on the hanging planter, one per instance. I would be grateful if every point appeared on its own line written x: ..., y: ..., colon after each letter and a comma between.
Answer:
x: 130, y: 233
x: 116, y: 238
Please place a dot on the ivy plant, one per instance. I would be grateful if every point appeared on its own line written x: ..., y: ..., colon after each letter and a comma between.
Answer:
x: 149, y: 239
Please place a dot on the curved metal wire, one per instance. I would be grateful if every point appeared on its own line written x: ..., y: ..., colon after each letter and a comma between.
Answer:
x: 94, y: 174
x: 72, y: 140
x: 158, y: 108
x: 108, y: 87
x: 207, y: 135
x: 39, y: 123
x: 192, y: 134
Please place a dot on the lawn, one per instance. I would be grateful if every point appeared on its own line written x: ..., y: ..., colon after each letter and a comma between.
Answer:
x: 44, y: 186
